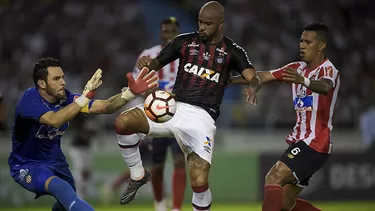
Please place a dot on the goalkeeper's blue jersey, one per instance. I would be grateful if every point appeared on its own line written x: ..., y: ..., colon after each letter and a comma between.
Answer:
x: 32, y: 142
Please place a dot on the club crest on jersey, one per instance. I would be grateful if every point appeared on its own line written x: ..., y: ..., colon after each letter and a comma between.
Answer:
x: 202, y: 72
x: 220, y: 59
x: 193, y: 44
x: 206, y: 56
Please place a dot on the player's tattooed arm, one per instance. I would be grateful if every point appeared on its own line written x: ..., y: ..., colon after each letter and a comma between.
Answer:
x: 252, y: 79
x: 321, y: 86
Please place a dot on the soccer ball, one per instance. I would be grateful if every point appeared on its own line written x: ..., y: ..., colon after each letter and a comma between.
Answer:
x: 160, y: 106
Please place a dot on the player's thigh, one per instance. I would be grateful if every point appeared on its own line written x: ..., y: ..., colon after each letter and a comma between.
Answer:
x: 279, y: 174
x: 33, y: 178
x: 290, y: 193
x: 159, y: 150
x: 303, y: 161
x: 133, y: 120
x: 155, y: 130
x: 195, y: 131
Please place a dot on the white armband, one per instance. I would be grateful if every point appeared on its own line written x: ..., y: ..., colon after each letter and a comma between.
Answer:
x: 306, y: 82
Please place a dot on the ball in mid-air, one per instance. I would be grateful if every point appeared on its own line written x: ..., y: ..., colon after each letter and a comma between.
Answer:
x: 160, y: 106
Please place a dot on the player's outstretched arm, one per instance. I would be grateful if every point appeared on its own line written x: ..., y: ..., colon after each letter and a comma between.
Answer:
x: 56, y: 119
x: 264, y: 76
x: 145, y: 81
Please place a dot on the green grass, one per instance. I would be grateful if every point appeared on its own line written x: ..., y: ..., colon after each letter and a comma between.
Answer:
x: 326, y: 206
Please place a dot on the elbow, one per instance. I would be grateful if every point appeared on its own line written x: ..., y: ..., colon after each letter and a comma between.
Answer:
x: 55, y: 123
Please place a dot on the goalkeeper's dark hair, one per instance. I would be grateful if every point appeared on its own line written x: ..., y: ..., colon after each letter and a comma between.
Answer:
x: 170, y: 20
x: 40, y: 71
x: 321, y: 30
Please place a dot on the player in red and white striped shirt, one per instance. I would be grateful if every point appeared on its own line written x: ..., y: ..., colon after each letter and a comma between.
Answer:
x: 314, y: 111
x: 315, y: 85
x: 167, y: 76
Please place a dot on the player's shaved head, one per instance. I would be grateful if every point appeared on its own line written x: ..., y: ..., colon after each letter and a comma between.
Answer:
x: 211, y: 20
x: 213, y: 9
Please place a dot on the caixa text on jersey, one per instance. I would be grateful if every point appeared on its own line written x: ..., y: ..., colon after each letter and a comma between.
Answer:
x: 202, y: 72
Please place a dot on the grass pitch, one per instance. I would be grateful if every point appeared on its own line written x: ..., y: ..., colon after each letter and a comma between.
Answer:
x: 325, y: 206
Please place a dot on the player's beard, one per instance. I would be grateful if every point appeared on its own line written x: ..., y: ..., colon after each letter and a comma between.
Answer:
x: 204, y: 38
x: 57, y: 93
x: 207, y: 38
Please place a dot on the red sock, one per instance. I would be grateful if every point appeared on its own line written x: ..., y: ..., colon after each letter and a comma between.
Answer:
x: 120, y: 180
x: 178, y: 187
x: 157, y: 183
x: 302, y: 205
x: 273, y: 198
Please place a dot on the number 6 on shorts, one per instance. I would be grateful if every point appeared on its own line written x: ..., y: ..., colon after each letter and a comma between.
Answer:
x: 295, y: 151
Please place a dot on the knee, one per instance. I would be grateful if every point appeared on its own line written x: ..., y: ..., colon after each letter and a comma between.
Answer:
x: 198, y: 180
x: 131, y: 121
x: 279, y: 174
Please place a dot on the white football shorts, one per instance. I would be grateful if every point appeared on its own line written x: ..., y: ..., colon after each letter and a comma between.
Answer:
x: 193, y: 128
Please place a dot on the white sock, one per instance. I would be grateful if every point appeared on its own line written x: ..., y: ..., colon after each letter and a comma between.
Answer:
x: 131, y: 155
x: 160, y: 205
x: 202, y: 200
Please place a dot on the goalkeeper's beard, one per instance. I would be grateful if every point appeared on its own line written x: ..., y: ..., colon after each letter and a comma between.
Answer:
x: 57, y: 93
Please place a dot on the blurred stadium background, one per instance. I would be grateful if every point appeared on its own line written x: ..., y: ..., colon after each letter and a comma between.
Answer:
x: 86, y: 35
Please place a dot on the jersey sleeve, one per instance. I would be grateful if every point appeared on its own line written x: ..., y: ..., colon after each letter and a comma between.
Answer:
x: 278, y: 73
x: 71, y: 97
x: 329, y: 73
x: 171, y: 52
x: 239, y: 59
x: 31, y: 106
